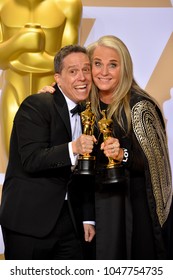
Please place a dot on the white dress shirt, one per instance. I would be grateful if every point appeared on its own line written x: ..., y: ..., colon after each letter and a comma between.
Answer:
x: 76, y: 129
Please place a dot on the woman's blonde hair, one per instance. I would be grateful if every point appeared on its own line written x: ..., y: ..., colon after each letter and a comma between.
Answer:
x: 127, y: 83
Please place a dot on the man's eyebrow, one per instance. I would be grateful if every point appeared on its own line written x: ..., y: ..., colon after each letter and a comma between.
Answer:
x: 87, y: 64
x: 75, y: 65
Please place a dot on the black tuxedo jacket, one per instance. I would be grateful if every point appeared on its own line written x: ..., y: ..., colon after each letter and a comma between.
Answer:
x: 39, y: 170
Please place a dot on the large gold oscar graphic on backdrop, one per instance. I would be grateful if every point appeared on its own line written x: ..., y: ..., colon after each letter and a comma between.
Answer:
x: 31, y: 32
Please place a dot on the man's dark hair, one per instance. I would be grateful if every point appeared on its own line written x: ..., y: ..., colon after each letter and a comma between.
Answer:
x: 59, y: 57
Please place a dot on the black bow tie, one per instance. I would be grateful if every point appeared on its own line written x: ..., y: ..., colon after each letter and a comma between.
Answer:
x: 76, y: 110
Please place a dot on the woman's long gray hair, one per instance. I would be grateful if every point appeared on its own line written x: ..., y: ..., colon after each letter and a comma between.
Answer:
x: 127, y: 83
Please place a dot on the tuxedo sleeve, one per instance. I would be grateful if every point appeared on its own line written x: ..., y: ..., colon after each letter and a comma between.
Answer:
x: 35, y: 127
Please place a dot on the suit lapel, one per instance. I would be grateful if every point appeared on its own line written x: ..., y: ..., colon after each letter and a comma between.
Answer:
x: 61, y: 106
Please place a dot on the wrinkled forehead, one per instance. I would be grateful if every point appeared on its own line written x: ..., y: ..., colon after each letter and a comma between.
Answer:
x: 76, y: 60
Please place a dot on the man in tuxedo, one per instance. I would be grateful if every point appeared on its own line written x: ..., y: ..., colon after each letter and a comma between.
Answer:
x: 44, y: 210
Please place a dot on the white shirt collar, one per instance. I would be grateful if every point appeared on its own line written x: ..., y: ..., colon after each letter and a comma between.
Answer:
x: 70, y: 104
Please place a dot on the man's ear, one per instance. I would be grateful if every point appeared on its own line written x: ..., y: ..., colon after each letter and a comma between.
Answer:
x: 57, y: 78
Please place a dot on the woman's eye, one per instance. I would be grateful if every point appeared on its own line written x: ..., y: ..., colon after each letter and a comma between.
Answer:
x: 96, y: 63
x: 112, y: 65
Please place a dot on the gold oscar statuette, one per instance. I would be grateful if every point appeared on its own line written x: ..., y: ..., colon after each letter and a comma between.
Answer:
x: 113, y: 171
x: 86, y: 162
